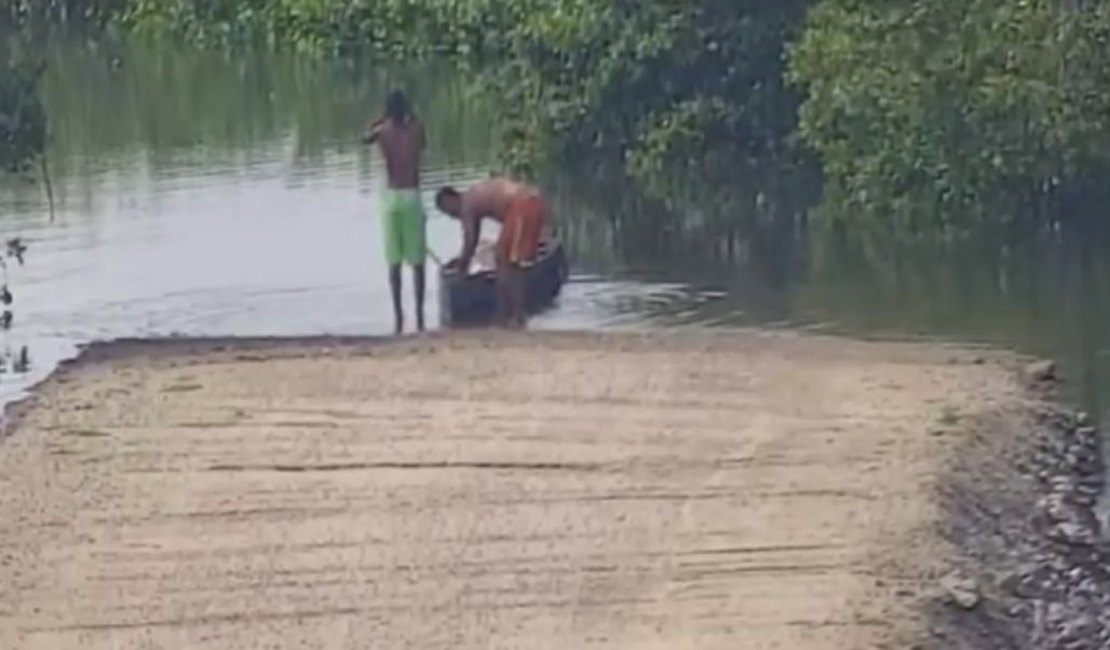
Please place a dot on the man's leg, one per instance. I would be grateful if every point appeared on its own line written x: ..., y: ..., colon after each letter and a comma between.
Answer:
x: 418, y: 286
x: 503, y: 313
x: 516, y: 296
x: 415, y: 249
x: 503, y: 254
x: 395, y: 289
x: 525, y: 247
x: 392, y: 240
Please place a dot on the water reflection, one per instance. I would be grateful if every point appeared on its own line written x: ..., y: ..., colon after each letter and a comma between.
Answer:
x: 199, y: 194
x: 15, y: 361
x: 1041, y: 293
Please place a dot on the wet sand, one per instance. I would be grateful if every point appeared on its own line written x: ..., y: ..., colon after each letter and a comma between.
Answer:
x: 750, y: 490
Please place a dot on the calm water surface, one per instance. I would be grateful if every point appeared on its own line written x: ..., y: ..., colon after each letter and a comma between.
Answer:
x: 205, y: 195
x: 202, y: 195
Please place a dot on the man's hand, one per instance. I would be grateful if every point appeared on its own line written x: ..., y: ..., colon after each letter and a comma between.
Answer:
x: 456, y: 265
x: 372, y: 131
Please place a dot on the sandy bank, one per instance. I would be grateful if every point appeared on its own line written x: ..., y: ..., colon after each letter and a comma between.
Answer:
x: 541, y: 491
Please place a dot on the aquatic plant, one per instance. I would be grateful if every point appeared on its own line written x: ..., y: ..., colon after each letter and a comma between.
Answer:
x: 15, y: 248
x: 22, y: 116
x: 22, y: 144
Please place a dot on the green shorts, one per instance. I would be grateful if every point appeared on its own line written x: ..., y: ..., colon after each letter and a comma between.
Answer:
x: 403, y: 227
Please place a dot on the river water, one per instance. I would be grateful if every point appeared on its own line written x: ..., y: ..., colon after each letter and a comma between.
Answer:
x: 200, y: 194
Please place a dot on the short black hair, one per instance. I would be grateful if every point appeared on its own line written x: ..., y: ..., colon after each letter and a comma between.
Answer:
x: 447, y: 192
x: 397, y: 106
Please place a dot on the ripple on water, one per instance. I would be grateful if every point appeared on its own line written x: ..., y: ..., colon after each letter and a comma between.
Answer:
x: 268, y: 227
x: 211, y: 247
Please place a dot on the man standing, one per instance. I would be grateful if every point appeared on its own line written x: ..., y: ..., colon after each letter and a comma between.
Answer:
x: 524, y: 215
x: 400, y: 136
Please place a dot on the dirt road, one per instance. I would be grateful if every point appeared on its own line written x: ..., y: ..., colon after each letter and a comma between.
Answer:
x: 703, y: 492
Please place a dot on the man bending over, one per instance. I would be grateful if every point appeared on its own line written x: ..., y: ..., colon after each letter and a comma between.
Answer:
x: 524, y: 215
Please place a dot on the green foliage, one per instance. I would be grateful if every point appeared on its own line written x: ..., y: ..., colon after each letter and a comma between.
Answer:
x: 24, y: 12
x: 686, y: 101
x: 161, y: 98
x: 946, y: 116
x: 22, y: 118
x: 678, y: 95
x: 318, y: 27
x: 936, y: 117
x: 666, y: 87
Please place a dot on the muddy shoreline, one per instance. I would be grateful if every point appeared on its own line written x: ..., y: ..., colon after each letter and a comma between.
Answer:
x: 168, y: 348
x: 1026, y: 564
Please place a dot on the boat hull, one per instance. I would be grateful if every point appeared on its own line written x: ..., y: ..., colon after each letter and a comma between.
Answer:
x: 472, y: 300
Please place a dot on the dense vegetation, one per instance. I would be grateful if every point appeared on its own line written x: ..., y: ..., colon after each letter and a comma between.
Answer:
x: 947, y: 116
x: 44, y: 12
x: 22, y: 143
x: 22, y: 117
x: 680, y: 99
x: 935, y: 118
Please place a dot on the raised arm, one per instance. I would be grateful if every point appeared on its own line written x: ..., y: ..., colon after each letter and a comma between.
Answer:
x: 373, y: 130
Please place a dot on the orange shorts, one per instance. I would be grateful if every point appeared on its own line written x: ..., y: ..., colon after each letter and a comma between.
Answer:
x: 521, y: 229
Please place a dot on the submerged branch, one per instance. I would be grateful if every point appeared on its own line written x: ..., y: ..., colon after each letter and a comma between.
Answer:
x: 47, y: 184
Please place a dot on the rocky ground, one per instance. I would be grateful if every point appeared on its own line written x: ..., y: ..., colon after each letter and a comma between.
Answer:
x: 1035, y: 563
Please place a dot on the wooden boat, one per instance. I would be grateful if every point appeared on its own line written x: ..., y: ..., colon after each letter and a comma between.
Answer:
x: 472, y: 300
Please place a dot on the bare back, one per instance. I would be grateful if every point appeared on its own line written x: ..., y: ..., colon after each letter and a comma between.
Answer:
x: 402, y: 145
x: 491, y: 198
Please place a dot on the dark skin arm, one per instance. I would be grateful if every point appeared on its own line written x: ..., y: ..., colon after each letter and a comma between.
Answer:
x: 373, y: 130
x: 472, y: 227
